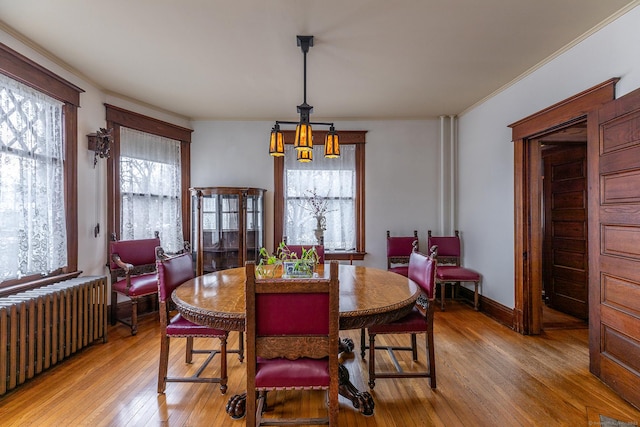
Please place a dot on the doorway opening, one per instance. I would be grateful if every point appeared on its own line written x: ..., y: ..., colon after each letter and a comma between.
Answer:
x: 564, y: 119
x: 564, y: 232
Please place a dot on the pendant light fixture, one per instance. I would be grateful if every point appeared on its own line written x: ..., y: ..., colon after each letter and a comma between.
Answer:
x: 303, y: 142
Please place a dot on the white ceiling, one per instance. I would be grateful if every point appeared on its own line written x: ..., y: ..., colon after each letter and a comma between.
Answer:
x: 238, y: 59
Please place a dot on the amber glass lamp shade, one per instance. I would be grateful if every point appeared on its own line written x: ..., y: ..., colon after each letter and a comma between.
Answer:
x: 305, y: 156
x: 331, y: 144
x: 304, y: 137
x: 276, y: 144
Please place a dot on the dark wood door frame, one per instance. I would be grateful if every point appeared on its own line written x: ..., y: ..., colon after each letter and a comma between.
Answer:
x: 527, y: 316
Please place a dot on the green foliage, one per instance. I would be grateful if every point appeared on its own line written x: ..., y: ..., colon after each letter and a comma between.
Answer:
x: 302, y: 265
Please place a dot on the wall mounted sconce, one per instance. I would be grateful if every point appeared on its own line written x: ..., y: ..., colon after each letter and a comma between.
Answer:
x: 100, y: 143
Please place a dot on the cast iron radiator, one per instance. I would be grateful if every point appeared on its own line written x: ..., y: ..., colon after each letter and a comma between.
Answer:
x: 43, y: 326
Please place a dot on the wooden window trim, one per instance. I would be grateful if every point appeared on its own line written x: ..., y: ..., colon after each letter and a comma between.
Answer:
x: 24, y: 70
x: 117, y: 117
x: 346, y: 137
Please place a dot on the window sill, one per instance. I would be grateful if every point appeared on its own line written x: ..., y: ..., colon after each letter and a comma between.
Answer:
x: 344, y: 256
x: 21, y: 287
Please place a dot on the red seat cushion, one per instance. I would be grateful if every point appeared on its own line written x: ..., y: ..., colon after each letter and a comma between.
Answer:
x: 144, y: 284
x: 412, y: 322
x: 456, y: 274
x: 179, y: 326
x: 300, y: 373
x: 403, y: 270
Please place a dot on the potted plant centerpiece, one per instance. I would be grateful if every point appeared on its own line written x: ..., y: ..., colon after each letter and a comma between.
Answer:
x: 287, y: 263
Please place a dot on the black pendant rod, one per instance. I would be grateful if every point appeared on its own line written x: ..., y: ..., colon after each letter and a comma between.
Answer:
x: 305, y: 42
x: 304, y: 80
x: 305, y: 109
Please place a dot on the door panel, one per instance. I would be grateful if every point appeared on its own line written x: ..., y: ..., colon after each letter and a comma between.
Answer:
x: 615, y: 230
x: 565, y: 223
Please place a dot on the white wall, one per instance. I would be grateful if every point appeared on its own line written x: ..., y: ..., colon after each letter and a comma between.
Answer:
x: 401, y: 172
x: 486, y: 201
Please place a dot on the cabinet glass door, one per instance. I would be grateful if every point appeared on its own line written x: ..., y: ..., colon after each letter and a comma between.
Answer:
x: 219, y: 232
x: 229, y: 232
x: 255, y: 227
x: 227, y: 227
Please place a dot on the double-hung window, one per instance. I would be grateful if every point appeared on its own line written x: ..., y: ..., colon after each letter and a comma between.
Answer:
x: 150, y: 188
x: 150, y: 175
x: 322, y: 201
x: 38, y: 229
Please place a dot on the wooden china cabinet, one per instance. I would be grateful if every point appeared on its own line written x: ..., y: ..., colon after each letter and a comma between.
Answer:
x: 227, y: 227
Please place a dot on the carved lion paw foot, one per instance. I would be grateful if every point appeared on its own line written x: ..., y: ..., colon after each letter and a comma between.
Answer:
x: 346, y: 345
x: 236, y: 406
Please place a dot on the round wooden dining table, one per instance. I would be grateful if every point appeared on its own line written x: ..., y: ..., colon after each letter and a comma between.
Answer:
x: 368, y: 296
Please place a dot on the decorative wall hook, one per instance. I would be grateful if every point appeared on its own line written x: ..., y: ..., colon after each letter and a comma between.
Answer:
x: 100, y: 143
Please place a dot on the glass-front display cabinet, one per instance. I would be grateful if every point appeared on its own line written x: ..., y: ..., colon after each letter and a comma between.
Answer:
x: 227, y: 227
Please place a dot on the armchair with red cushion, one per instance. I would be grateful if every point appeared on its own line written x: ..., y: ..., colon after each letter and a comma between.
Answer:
x: 132, y: 266
x: 448, y: 254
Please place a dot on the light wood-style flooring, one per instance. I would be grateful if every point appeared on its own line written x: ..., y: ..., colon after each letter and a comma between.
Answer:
x: 554, y: 319
x: 487, y: 375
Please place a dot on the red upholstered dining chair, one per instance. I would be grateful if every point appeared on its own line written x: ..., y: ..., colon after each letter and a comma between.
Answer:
x: 132, y: 267
x: 173, y: 272
x: 449, y: 269
x: 292, y: 341
x: 422, y: 270
x: 399, y: 249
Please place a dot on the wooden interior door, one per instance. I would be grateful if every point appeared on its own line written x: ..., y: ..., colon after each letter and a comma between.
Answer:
x: 565, y: 260
x: 614, y: 228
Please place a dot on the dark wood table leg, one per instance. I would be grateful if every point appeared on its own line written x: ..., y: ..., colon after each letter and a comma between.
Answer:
x: 362, y: 401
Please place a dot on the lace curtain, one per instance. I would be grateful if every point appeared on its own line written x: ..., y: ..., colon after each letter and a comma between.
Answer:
x: 150, y: 188
x: 33, y: 235
x: 333, y: 181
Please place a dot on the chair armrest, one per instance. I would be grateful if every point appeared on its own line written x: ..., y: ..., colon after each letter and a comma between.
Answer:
x: 126, y: 267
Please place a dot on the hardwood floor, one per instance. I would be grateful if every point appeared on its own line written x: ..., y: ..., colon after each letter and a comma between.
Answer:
x: 554, y: 319
x: 487, y: 375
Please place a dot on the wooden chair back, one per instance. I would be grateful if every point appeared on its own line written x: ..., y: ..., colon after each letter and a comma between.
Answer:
x: 132, y: 257
x: 449, y: 248
x: 172, y: 272
x: 399, y: 248
x: 422, y: 270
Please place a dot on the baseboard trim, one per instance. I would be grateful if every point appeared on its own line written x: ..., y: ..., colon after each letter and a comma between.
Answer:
x: 500, y: 313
